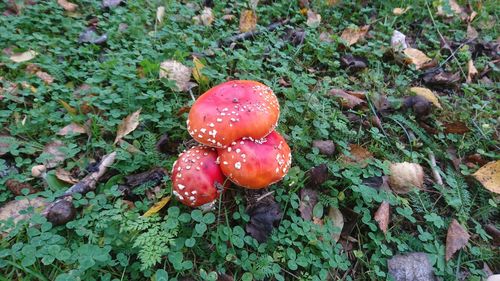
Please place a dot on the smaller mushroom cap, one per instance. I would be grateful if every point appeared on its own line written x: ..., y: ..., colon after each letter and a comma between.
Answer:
x: 256, y: 164
x: 196, y: 177
x: 231, y: 111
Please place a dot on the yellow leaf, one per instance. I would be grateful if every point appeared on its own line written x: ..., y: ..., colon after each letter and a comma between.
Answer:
x: 157, y: 207
x: 416, y: 57
x: 68, y: 107
x: 248, y: 21
x: 353, y: 35
x: 489, y: 176
x: 198, y: 76
x: 128, y: 125
x: 427, y: 94
x: 22, y: 57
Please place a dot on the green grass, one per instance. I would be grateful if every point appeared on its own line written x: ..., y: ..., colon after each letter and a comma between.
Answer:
x: 109, y: 241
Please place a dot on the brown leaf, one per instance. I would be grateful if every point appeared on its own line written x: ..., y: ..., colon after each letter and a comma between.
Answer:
x: 348, y: 101
x: 317, y: 175
x: 358, y: 156
x: 353, y: 35
x: 72, y: 128
x: 176, y: 71
x: 416, y: 57
x: 128, y: 125
x: 16, y: 187
x: 228, y: 17
x: 337, y: 218
x: 248, y: 21
x: 489, y: 176
x: 471, y: 71
x: 382, y: 216
x: 47, y: 78
x: 71, y: 110
x: 457, y: 127
x: 412, y: 266
x: 313, y: 18
x: 65, y: 176
x: 13, y: 209
x: 54, y: 154
x: 438, y: 77
x: 471, y: 32
x: 400, y: 11
x: 427, y: 94
x: 325, y: 37
x: 353, y: 63
x: 308, y: 199
x: 206, y: 17
x: 455, y: 9
x: 326, y: 147
x: 68, y: 6
x: 405, y: 176
x: 22, y: 57
x: 456, y: 238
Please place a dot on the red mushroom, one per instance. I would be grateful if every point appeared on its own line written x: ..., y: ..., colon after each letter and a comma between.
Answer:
x: 196, y: 177
x: 231, y: 111
x: 256, y: 163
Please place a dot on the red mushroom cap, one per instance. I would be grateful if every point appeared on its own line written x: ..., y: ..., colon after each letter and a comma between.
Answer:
x: 231, y: 111
x: 196, y: 177
x: 256, y: 163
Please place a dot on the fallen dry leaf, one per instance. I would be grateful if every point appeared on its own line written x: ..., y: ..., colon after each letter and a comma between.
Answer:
x: 454, y: 9
x: 456, y: 127
x: 325, y: 147
x: 337, y: 218
x: 353, y: 63
x: 313, y: 19
x: 129, y: 147
x: 427, y: 94
x: 325, y: 37
x: 308, y: 199
x: 400, y: 11
x: 489, y: 176
x: 198, y: 76
x: 5, y: 144
x: 176, y: 71
x: 157, y: 207
x: 412, y: 266
x: 205, y: 18
x: 14, y: 209
x: 416, y: 57
x: 228, y: 17
x: 471, y: 71
x: 471, y: 32
x: 359, y: 156
x: 72, y: 128
x: 440, y: 78
x: 47, y: 78
x: 53, y: 154
x: 22, y: 57
x: 16, y: 187
x: 264, y: 213
x: 456, y: 238
x: 348, y: 101
x: 405, y: 176
x: 111, y: 3
x: 248, y: 21
x: 69, y: 108
x: 68, y: 6
x: 353, y: 35
x: 65, y: 176
x: 382, y: 216
x: 317, y: 175
x: 128, y: 125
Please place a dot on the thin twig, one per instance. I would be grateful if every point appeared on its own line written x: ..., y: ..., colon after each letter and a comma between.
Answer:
x: 435, y: 172
x: 264, y: 196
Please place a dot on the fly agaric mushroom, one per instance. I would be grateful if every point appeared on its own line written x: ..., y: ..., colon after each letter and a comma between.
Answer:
x: 256, y: 164
x: 196, y: 177
x: 231, y: 111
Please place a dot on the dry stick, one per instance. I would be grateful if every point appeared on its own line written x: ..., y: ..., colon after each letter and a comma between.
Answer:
x: 264, y: 196
x: 444, y: 40
x: 251, y: 34
x: 435, y: 172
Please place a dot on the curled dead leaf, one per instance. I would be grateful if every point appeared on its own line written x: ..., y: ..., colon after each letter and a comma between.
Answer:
x: 72, y: 128
x: 157, y: 207
x: 353, y: 35
x: 456, y: 238
x: 489, y: 176
x: 348, y: 101
x: 400, y: 11
x: 160, y: 14
x: 382, y: 216
x: 405, y: 176
x: 68, y: 6
x: 416, y: 57
x: 313, y: 19
x: 22, y: 57
x: 128, y: 125
x: 471, y: 71
x: 248, y: 21
x: 205, y: 18
x: 358, y: 156
x: 65, y: 176
x: 197, y: 75
x: 427, y: 94
x: 176, y: 71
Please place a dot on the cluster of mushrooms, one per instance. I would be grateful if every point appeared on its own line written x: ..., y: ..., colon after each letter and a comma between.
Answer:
x: 234, y: 123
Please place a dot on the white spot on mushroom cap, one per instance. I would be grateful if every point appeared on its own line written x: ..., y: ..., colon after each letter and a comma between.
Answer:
x: 237, y: 165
